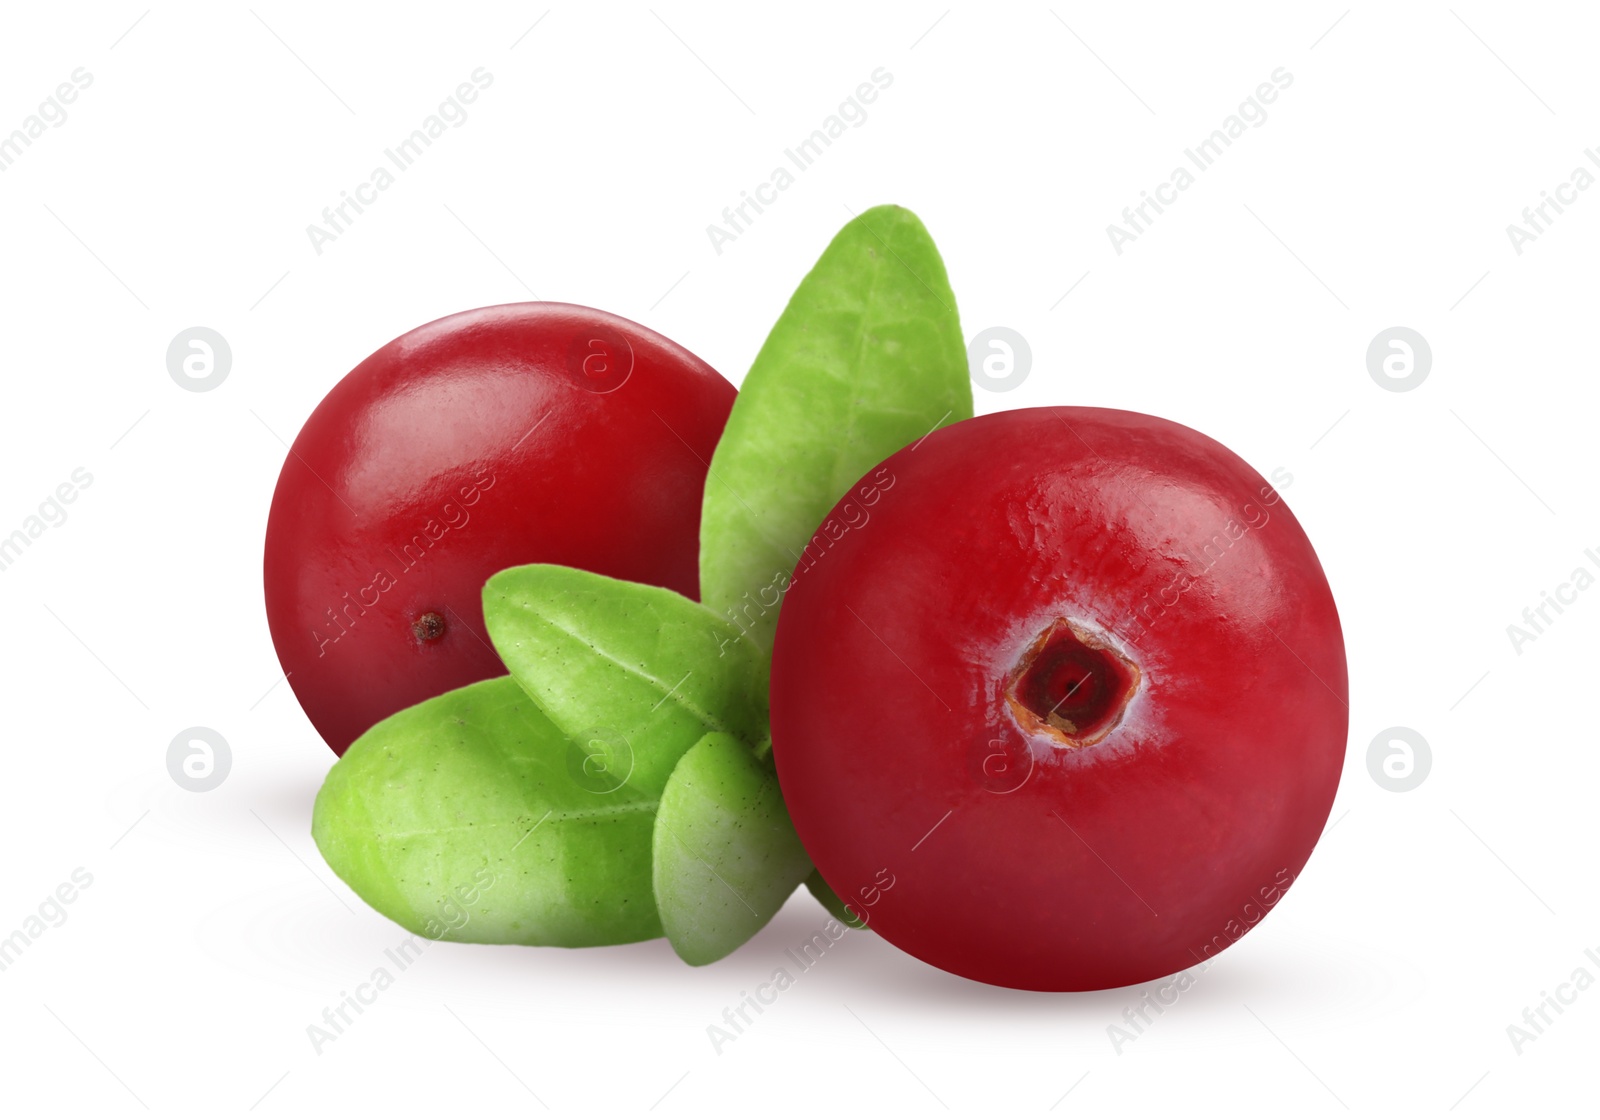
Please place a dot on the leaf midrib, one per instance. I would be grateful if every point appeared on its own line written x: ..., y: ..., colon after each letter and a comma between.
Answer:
x: 667, y: 692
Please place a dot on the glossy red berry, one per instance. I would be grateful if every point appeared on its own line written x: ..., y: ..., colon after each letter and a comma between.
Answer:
x: 528, y: 433
x: 1074, y: 684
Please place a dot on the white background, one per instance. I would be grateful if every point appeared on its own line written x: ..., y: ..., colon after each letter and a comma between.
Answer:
x: 1377, y: 193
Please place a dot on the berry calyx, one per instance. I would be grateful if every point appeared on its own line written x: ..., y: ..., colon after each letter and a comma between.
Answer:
x: 428, y: 627
x: 1071, y: 685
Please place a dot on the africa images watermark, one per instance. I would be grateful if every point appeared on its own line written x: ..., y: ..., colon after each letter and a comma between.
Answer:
x: 449, y: 917
x: 1537, y: 618
x: 1204, y: 155
x: 736, y: 219
x: 53, y: 910
x: 853, y: 514
x: 1541, y: 1016
x: 738, y: 1018
x: 52, y: 111
x: 1537, y: 219
x: 51, y: 514
x: 1211, y: 552
x: 452, y: 113
x: 1138, y: 1017
x: 452, y: 515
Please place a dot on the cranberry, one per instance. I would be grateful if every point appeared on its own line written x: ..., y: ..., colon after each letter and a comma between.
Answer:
x: 529, y: 433
x: 1079, y: 686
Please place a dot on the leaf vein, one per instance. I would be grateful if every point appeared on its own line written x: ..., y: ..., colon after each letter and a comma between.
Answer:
x: 667, y: 691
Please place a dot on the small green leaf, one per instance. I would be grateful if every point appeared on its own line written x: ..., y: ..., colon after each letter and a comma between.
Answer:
x: 726, y: 854
x: 867, y: 358
x: 818, y: 886
x: 639, y: 671
x: 470, y: 817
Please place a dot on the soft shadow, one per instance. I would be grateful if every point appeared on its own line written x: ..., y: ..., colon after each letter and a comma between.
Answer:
x: 863, y: 962
x: 285, y: 797
x: 644, y: 961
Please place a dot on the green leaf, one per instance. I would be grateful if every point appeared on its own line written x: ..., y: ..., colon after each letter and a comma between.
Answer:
x: 818, y: 886
x: 639, y: 671
x: 726, y: 854
x: 470, y: 817
x: 867, y: 358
